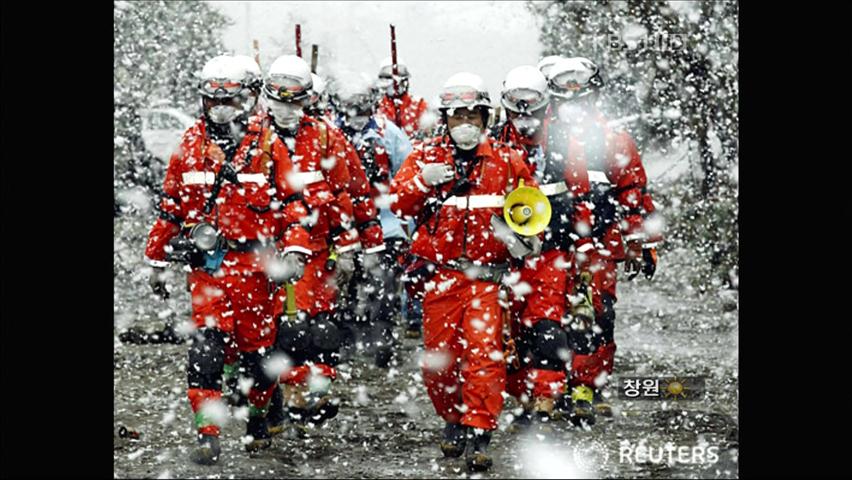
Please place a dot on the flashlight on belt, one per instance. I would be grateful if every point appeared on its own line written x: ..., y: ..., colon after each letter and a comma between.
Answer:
x: 332, y: 260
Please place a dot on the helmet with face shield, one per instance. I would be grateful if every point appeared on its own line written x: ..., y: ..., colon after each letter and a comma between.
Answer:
x: 226, y: 89
x: 356, y: 109
x: 287, y: 89
x: 525, y: 98
x: 467, y: 91
x: 385, y: 81
x: 574, y: 78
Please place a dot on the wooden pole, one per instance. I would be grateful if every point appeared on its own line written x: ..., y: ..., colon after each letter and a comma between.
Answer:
x: 395, y: 70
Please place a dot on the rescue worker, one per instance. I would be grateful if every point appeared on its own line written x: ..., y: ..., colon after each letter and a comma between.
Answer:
x: 219, y: 214
x: 370, y: 249
x: 382, y: 147
x: 621, y: 206
x: 396, y: 103
x: 454, y: 186
x: 542, y: 344
x: 309, y: 337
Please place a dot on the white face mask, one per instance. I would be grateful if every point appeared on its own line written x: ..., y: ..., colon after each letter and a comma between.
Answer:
x: 358, y: 122
x: 286, y: 115
x: 526, y: 126
x: 222, y: 114
x: 466, y: 136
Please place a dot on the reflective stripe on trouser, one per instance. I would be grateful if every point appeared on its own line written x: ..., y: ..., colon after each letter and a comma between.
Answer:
x: 457, y: 310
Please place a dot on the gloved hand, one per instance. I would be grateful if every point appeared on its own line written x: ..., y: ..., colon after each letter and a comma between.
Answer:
x: 519, y: 246
x: 649, y: 258
x: 436, y: 173
x: 344, y: 268
x: 286, y: 268
x: 157, y: 280
x: 633, y: 262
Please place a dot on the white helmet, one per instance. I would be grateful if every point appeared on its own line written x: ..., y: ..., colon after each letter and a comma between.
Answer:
x: 251, y: 71
x: 546, y: 64
x: 524, y: 90
x: 222, y: 77
x: 463, y: 90
x: 288, y: 79
x: 386, y: 68
x: 385, y: 81
x: 574, y: 78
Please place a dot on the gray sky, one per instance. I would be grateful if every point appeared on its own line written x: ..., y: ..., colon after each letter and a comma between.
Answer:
x: 435, y: 39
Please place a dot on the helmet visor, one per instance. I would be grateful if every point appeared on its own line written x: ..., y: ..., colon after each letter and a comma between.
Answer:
x: 462, y: 97
x: 221, y: 88
x: 523, y: 100
x: 285, y: 88
x: 570, y: 84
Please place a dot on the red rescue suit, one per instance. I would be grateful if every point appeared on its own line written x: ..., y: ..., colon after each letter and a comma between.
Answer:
x: 621, y: 204
x: 319, y: 156
x: 236, y: 298
x: 462, y: 318
x: 405, y: 111
x: 550, y: 277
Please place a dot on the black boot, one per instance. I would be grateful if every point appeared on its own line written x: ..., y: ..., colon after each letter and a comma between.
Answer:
x: 582, y: 411
x: 384, y: 354
x: 520, y: 423
x: 412, y: 331
x: 601, y: 404
x: 276, y: 419
x: 259, y: 431
x: 454, y: 440
x: 208, y: 450
x: 476, y: 454
x: 319, y: 409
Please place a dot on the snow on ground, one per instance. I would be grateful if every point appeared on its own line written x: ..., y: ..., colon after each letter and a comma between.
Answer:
x: 387, y: 427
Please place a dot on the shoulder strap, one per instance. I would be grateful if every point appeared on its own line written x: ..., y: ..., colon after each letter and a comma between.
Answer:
x: 323, y: 136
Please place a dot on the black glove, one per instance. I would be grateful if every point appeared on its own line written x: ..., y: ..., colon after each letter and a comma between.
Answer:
x: 157, y: 281
x: 649, y: 259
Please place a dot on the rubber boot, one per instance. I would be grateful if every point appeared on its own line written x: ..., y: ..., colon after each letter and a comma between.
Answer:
x: 453, y: 442
x: 208, y: 450
x: 476, y: 452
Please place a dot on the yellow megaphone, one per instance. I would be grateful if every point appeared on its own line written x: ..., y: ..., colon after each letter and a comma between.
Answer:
x: 527, y: 211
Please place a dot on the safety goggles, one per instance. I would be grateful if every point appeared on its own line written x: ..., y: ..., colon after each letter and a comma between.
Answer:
x: 221, y: 88
x: 285, y: 88
x: 570, y: 84
x: 462, y: 97
x: 523, y: 100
